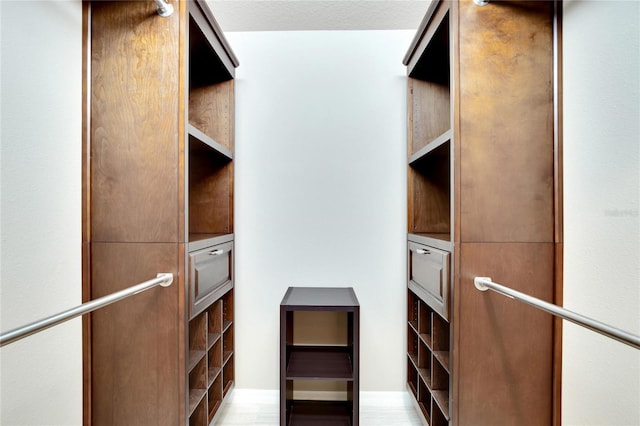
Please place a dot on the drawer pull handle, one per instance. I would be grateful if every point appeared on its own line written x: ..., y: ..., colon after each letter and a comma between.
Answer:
x: 422, y: 251
x: 216, y: 252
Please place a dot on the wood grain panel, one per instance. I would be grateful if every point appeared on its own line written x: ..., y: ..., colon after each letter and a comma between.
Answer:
x: 506, y: 121
x: 134, y: 123
x: 211, y: 111
x: 137, y: 358
x: 431, y: 113
x: 504, y: 353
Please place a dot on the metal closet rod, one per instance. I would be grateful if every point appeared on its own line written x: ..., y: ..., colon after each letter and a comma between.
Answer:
x: 163, y: 279
x: 485, y: 283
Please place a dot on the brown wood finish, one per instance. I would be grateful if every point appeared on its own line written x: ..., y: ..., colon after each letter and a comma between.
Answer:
x: 136, y: 342
x: 506, y: 122
x: 506, y: 212
x: 213, y: 118
x: 136, y: 189
x: 431, y: 193
x: 135, y: 101
x: 431, y: 118
x: 504, y: 356
x: 210, y: 194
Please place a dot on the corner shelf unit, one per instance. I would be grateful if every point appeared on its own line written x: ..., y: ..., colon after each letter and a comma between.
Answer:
x: 158, y: 197
x: 321, y: 361
x: 482, y: 190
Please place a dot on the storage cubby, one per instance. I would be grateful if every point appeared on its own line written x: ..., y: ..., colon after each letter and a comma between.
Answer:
x: 227, y: 310
x: 227, y: 345
x: 424, y: 399
x: 428, y: 375
x: 412, y: 344
x: 441, y: 341
x: 214, y: 326
x: 215, y: 396
x: 215, y: 361
x: 424, y: 324
x: 197, y: 384
x: 212, y: 375
x: 412, y: 376
x: 197, y: 339
x: 412, y: 310
x: 440, y: 388
x: 424, y: 362
x: 319, y: 343
x: 438, y: 419
x: 228, y: 375
x: 199, y: 416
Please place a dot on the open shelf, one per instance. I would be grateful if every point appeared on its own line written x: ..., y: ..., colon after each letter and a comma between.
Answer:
x: 197, y: 384
x: 210, y: 133
x: 199, y: 141
x: 198, y: 415
x: 430, y: 193
x: 210, y: 190
x: 214, y: 397
x: 430, y: 91
x: 210, y: 84
x: 319, y: 362
x: 320, y: 413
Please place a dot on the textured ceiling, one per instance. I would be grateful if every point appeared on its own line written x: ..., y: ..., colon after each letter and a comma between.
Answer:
x: 301, y: 15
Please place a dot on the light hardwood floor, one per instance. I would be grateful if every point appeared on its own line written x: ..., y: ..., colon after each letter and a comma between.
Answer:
x: 261, y: 407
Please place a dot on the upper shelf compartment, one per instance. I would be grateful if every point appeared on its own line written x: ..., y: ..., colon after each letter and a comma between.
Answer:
x: 211, y: 73
x: 430, y: 83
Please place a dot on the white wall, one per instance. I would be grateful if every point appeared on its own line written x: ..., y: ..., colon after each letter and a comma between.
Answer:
x: 41, y: 376
x: 321, y: 189
x: 601, y: 378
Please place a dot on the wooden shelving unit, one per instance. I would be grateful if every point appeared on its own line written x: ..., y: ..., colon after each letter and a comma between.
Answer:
x: 481, y: 191
x: 159, y: 198
x: 323, y: 361
x: 211, y: 371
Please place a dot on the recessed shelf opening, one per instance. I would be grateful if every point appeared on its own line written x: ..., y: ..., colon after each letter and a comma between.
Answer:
x: 430, y: 194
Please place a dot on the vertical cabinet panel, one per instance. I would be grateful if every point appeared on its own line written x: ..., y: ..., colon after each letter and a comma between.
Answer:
x: 134, y: 127
x: 506, y: 122
x: 135, y: 361
x: 512, y: 343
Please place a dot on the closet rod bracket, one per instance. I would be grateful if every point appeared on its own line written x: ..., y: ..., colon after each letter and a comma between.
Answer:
x: 165, y: 9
